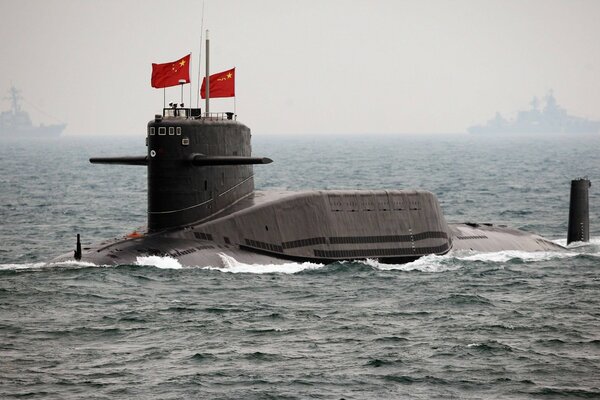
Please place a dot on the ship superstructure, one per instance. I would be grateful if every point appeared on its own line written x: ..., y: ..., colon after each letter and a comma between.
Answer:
x: 544, y: 117
x: 16, y: 123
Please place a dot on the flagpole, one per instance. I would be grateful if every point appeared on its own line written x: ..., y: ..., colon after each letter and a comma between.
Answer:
x: 234, y: 99
x: 164, y: 97
x: 207, y: 82
x: 190, y: 82
x: 199, y: 60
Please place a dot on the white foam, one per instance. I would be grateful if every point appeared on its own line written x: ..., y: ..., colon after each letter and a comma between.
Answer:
x: 73, y: 263
x: 430, y: 263
x: 159, y: 262
x: 591, y: 247
x: 434, y: 263
x: 40, y: 265
x: 507, y: 255
x: 7, y: 267
x: 230, y: 264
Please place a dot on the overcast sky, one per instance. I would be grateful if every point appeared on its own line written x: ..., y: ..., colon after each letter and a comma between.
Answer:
x: 305, y: 67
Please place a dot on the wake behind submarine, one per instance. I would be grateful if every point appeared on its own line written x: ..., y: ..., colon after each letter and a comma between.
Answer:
x: 202, y: 206
x: 202, y: 209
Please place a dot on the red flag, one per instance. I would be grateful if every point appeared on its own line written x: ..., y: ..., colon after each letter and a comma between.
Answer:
x: 222, y: 84
x: 169, y: 74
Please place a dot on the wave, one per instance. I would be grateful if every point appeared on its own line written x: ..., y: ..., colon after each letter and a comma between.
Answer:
x: 230, y: 264
x: 575, y: 249
x: 512, y: 255
x: 593, y: 246
x: 491, y: 346
x: 158, y: 262
x: 36, y: 266
x: 430, y: 263
x: 454, y: 260
x: 8, y: 267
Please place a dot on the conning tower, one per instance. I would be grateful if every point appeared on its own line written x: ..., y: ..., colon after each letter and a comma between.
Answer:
x: 189, y: 178
x: 197, y: 166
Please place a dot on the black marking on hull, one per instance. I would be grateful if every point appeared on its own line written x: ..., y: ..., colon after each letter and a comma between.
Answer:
x: 320, y: 260
x: 264, y: 246
x: 386, y: 239
x: 304, y: 242
x: 364, y: 253
x: 203, y: 236
x: 364, y: 239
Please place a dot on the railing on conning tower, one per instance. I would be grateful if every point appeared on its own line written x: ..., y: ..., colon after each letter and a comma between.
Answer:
x: 196, y: 113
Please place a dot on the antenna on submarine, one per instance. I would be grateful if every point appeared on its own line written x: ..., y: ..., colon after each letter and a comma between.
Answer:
x: 181, y: 83
x: 207, y: 79
x: 199, y: 60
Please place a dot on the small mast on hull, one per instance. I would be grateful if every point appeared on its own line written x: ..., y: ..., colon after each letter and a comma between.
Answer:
x: 207, y: 79
x: 579, y: 211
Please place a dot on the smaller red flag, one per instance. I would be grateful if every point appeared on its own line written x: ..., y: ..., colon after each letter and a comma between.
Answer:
x: 222, y: 84
x: 169, y: 74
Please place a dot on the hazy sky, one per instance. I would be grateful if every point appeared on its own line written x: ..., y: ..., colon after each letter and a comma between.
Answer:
x: 310, y: 66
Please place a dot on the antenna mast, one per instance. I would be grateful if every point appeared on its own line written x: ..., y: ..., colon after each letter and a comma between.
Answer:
x: 207, y: 82
x: 199, y: 60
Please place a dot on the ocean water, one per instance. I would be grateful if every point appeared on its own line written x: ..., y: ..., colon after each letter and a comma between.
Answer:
x: 507, y: 325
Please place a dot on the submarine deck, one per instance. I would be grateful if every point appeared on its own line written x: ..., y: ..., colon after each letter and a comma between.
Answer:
x: 493, y: 238
x: 208, y: 242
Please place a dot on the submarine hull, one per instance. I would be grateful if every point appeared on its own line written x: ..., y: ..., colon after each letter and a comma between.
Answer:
x: 392, y: 226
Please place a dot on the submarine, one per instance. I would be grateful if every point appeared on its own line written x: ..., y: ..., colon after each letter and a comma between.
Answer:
x: 203, y: 208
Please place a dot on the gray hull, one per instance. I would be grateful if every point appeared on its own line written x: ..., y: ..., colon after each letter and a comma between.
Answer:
x: 321, y: 227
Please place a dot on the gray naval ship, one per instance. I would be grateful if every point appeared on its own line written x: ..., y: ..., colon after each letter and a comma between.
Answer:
x: 16, y: 123
x: 202, y: 208
x: 545, y: 117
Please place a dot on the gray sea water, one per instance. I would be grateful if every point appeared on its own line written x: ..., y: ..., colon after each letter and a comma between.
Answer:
x: 507, y: 325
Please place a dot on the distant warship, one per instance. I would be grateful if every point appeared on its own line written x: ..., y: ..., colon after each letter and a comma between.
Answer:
x: 15, y: 123
x: 551, y: 118
x: 203, y: 209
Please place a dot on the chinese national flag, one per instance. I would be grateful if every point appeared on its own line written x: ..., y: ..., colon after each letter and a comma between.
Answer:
x: 222, y: 84
x: 169, y: 74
